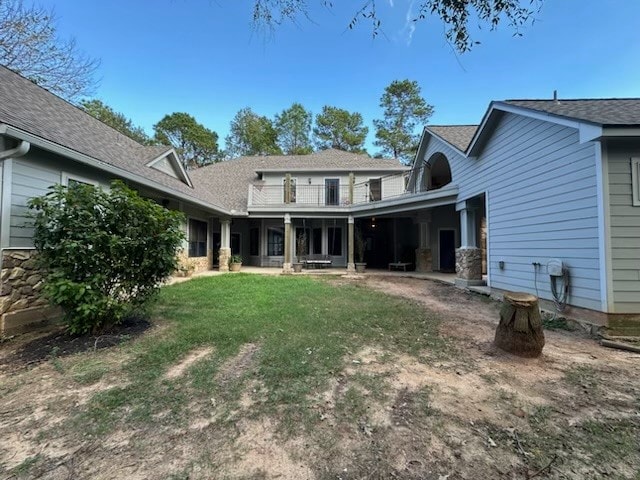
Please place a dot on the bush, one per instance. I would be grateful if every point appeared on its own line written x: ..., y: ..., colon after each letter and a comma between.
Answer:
x: 104, y: 252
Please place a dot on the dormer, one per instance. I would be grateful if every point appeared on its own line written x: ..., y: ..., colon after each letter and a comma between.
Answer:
x: 169, y: 163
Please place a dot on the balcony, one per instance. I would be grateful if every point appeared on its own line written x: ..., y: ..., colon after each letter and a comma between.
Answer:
x: 336, y: 196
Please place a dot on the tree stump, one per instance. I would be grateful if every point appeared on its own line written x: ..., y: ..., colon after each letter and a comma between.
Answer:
x: 520, y: 329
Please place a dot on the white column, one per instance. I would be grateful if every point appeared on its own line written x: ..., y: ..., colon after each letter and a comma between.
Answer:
x: 468, y: 237
x: 224, y: 255
x: 351, y: 266
x: 286, y: 266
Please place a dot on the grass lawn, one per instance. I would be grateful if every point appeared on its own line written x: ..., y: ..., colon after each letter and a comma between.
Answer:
x: 301, y: 331
x: 260, y: 377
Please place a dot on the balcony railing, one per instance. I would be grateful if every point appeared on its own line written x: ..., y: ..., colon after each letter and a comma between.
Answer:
x: 373, y: 190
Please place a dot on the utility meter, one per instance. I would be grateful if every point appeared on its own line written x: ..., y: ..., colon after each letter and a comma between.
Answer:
x: 555, y: 267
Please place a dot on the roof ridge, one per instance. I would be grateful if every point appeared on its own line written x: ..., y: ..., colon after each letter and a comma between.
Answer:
x: 454, y: 125
x: 592, y: 99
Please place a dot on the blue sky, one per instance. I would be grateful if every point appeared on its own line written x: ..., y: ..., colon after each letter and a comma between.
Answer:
x: 203, y: 57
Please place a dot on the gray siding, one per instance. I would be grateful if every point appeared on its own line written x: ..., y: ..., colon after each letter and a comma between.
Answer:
x: 541, y: 186
x: 624, y: 227
x: 32, y: 175
x: 164, y: 165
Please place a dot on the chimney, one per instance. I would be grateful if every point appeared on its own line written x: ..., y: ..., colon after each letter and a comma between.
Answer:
x: 555, y: 95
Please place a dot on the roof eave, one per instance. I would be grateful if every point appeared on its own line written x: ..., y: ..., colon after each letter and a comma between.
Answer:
x: 99, y: 164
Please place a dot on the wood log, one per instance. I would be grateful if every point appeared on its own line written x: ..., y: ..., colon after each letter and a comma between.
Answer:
x: 520, y: 328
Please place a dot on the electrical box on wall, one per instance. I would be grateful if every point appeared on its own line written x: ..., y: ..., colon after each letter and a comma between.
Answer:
x: 554, y: 267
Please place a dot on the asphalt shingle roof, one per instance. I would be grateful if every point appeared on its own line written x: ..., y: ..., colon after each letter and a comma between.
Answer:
x: 603, y: 111
x: 231, y: 179
x: 26, y: 106
x: 459, y: 136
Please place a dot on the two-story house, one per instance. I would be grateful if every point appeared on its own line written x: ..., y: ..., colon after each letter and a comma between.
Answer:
x: 542, y: 196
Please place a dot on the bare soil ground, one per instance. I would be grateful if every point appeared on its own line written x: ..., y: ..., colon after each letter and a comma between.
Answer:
x: 477, y: 413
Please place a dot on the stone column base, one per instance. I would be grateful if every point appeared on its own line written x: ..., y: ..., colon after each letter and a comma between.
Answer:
x: 351, y: 268
x: 468, y: 266
x: 423, y: 260
x: 287, y: 268
x: 223, y: 259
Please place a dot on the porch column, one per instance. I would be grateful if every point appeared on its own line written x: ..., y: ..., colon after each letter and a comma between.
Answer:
x: 224, y: 255
x: 468, y: 256
x: 286, y: 266
x: 423, y: 252
x: 351, y: 266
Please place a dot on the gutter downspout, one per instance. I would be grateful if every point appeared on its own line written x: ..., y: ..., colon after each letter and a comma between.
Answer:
x: 22, y: 148
x: 19, y: 151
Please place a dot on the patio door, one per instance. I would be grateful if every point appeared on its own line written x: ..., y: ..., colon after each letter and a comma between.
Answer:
x: 332, y: 191
x: 447, y: 250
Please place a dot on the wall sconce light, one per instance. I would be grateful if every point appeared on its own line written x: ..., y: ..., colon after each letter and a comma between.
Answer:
x: 309, y: 180
x: 373, y: 222
x: 501, y: 264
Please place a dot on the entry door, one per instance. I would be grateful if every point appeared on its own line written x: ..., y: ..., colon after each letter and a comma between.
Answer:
x: 447, y: 248
x: 332, y: 191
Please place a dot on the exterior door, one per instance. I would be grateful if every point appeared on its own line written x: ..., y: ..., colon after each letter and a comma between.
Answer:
x: 332, y: 191
x: 447, y: 248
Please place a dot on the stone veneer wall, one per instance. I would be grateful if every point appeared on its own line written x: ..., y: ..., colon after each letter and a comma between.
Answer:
x: 22, y: 307
x: 21, y: 281
x: 201, y: 263
x: 423, y: 260
x: 469, y: 263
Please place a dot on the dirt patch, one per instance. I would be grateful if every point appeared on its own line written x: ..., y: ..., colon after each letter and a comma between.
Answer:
x: 472, y: 412
x: 258, y: 453
x: 236, y: 366
x: 194, y: 356
x: 61, y: 344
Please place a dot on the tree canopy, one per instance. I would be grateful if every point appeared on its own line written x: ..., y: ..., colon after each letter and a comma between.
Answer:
x: 341, y: 129
x: 293, y: 126
x: 251, y: 134
x: 455, y: 15
x: 30, y: 46
x: 117, y: 120
x: 195, y: 143
x: 404, y: 109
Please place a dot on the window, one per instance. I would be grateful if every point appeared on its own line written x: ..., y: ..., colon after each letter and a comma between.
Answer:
x: 254, y: 241
x: 335, y: 241
x: 292, y: 192
x: 635, y: 181
x: 197, y: 238
x: 375, y: 189
x: 275, y: 242
x: 236, y: 245
x: 300, y: 231
x: 317, y: 241
x: 70, y: 180
x: 332, y: 191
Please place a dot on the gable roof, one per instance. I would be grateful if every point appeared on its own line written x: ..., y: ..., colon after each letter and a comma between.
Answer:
x: 459, y: 136
x: 602, y: 111
x: 30, y: 108
x: 231, y: 179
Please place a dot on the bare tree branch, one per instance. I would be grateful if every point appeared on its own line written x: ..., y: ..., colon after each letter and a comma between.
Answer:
x: 29, y: 45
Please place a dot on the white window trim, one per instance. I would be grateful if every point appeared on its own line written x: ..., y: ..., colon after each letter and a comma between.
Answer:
x: 635, y: 180
x: 78, y: 178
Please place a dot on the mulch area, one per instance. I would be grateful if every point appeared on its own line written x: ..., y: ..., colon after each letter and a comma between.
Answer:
x: 60, y: 343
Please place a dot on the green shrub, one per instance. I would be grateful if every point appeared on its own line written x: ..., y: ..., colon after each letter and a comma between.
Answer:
x: 104, y: 252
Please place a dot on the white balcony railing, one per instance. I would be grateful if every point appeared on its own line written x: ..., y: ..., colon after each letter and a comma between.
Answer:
x: 331, y: 196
